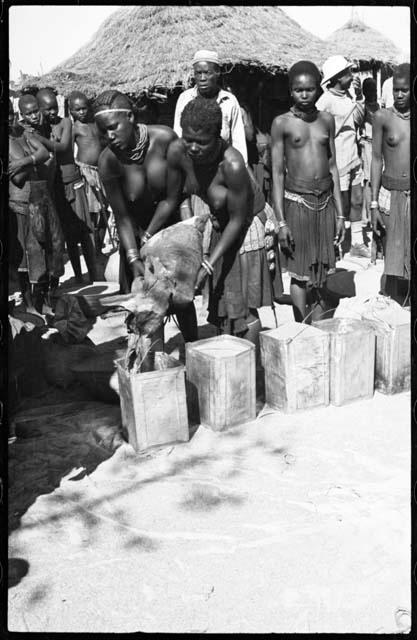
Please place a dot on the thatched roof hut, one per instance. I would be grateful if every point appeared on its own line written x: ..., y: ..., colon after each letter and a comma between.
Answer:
x: 142, y: 47
x: 367, y: 46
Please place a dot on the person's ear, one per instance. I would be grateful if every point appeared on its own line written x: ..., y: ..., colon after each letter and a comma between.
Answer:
x: 131, y: 116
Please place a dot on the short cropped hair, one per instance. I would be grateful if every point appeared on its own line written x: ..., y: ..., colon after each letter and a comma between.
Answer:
x: 369, y: 88
x: 304, y: 67
x: 28, y: 98
x: 46, y: 91
x: 203, y: 114
x: 76, y: 95
x: 402, y: 71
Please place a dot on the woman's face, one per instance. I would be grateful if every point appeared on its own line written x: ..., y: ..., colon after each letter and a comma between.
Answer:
x: 304, y: 91
x: 118, y: 129
x: 200, y: 144
x: 401, y: 93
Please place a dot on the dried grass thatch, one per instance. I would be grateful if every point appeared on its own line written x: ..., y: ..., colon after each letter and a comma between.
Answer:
x: 141, y: 47
x: 356, y: 41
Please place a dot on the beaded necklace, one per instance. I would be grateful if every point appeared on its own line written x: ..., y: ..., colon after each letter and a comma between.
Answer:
x: 139, y: 152
x: 403, y: 116
x: 307, y: 116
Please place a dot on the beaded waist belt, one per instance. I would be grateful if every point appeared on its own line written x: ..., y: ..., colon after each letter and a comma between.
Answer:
x: 296, y: 197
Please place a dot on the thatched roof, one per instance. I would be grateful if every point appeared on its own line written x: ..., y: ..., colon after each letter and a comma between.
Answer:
x: 357, y: 41
x: 140, y: 47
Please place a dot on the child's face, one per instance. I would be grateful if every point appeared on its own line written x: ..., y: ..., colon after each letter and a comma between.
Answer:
x: 79, y: 109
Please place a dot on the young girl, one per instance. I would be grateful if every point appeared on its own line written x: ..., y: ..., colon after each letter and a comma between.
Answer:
x: 306, y: 191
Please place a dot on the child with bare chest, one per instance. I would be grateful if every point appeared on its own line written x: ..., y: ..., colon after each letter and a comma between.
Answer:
x: 306, y: 191
x: 89, y: 145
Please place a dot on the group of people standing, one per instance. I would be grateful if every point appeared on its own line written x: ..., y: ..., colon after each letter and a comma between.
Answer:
x: 152, y: 176
x: 56, y: 198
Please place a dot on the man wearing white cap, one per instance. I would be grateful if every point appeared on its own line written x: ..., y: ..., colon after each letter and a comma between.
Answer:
x: 348, y: 114
x: 206, y: 66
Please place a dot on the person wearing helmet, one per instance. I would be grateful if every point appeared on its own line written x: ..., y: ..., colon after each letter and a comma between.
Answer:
x: 348, y: 114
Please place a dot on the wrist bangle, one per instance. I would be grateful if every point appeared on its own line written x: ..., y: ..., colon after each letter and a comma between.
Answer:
x: 132, y: 255
x: 282, y: 224
x: 340, y: 217
x: 146, y: 236
x: 208, y: 267
x: 374, y: 204
x: 33, y: 159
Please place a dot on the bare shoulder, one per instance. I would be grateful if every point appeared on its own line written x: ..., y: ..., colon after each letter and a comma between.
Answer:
x: 280, y: 123
x: 161, y: 133
x: 233, y: 167
x: 176, y: 150
x: 380, y: 116
x: 66, y: 123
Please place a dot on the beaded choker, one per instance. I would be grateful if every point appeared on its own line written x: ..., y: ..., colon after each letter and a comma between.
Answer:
x: 403, y: 116
x: 307, y: 116
x: 138, y: 153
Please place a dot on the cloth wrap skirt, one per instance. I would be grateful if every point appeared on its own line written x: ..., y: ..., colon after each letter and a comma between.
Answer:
x: 36, y: 240
x: 310, y: 213
x: 241, y: 279
x: 394, y: 204
x: 71, y: 203
x: 93, y: 187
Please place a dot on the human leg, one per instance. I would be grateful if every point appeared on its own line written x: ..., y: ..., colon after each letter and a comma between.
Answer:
x: 298, y: 293
x: 89, y: 253
x: 187, y: 322
x: 358, y: 248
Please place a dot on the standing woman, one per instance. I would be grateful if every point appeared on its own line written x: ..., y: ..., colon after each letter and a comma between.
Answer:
x: 390, y: 204
x: 234, y: 265
x: 306, y: 190
x: 143, y: 194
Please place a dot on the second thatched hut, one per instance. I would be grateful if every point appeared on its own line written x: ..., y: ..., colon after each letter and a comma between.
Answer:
x: 374, y: 54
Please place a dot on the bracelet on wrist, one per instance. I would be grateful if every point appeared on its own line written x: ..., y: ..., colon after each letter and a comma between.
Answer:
x: 146, y: 236
x: 33, y: 159
x: 282, y: 224
x: 374, y: 204
x: 340, y: 218
x: 208, y: 267
x: 132, y: 255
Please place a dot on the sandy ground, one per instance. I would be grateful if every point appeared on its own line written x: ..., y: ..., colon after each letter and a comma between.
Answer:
x: 291, y: 523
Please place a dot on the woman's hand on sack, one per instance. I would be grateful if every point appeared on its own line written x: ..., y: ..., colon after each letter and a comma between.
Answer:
x: 201, y: 279
x: 285, y: 239
x: 137, y: 268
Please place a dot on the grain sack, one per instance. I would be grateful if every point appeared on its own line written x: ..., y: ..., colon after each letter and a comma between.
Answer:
x: 179, y: 248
